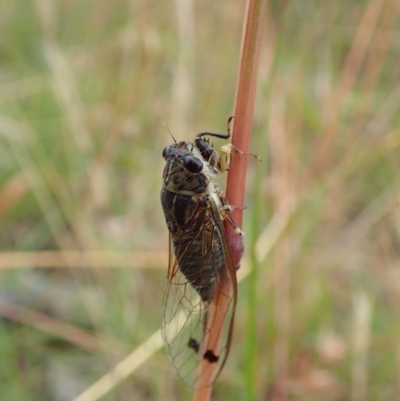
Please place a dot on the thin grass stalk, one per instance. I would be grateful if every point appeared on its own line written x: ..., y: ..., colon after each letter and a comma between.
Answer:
x: 82, y: 259
x: 66, y: 331
x: 335, y: 104
x: 358, y: 51
x: 182, y: 91
x: 398, y: 368
x: 243, y: 113
x: 380, y: 46
x: 283, y: 204
x: 251, y: 324
x: 361, y: 340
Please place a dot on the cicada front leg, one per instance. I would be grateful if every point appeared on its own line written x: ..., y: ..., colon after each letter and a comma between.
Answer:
x: 225, y: 208
x: 225, y: 156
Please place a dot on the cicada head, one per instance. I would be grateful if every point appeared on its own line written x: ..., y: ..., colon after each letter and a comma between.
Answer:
x: 183, y: 172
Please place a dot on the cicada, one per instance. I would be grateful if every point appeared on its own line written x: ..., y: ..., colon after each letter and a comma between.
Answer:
x: 195, y: 208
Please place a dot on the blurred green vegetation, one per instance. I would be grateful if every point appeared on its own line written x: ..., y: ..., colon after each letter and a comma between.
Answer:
x: 85, y: 87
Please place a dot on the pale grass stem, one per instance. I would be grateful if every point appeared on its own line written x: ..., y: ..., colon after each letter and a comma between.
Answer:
x: 68, y: 332
x: 82, y: 259
x: 283, y: 198
x: 361, y: 338
x: 334, y: 102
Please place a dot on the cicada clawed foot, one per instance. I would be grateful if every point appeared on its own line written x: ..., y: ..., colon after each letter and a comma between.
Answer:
x: 226, y: 208
x: 235, y: 227
x: 231, y: 208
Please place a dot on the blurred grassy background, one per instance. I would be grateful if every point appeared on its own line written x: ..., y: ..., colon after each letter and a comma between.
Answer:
x: 85, y: 87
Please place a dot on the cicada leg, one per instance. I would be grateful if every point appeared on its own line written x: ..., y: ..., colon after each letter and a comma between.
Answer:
x: 226, y: 208
x: 225, y: 156
x: 223, y: 212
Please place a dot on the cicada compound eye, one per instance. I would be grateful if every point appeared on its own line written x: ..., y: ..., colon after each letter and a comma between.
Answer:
x: 192, y: 164
x: 164, y: 152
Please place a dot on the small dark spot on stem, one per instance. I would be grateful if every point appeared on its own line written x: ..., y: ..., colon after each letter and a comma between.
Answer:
x: 210, y: 356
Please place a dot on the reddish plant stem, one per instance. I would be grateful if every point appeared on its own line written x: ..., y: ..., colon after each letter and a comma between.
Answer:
x: 242, y: 124
x: 212, y: 339
x: 243, y: 121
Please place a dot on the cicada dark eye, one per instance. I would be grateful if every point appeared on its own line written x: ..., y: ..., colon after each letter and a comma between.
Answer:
x: 164, y: 153
x: 192, y: 164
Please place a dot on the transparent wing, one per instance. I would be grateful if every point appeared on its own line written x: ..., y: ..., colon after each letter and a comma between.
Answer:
x: 191, y: 323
